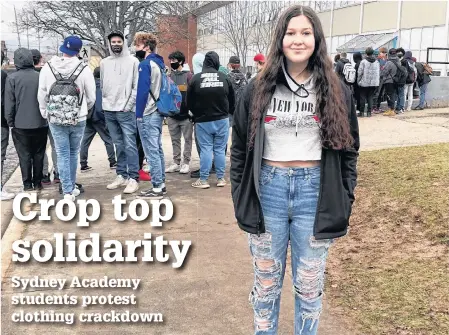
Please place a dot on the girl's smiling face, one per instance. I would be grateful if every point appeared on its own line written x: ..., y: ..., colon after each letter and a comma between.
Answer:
x: 298, y: 44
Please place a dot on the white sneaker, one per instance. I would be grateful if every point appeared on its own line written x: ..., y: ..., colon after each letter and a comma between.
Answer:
x: 172, y: 168
x: 185, y: 168
x: 76, y: 192
x: 70, y: 197
x: 7, y: 196
x: 119, y: 181
x: 132, y: 186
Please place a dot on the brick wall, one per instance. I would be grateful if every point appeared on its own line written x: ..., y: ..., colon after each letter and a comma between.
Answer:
x: 177, y: 33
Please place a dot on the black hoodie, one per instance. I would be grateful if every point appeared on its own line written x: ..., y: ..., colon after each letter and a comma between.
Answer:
x: 210, y: 96
x: 340, y: 66
x: 21, y: 105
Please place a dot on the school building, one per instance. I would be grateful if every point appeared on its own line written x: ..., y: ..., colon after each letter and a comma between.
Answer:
x: 349, y: 26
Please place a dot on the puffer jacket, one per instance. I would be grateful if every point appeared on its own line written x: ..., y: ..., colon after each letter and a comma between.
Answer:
x: 368, y: 74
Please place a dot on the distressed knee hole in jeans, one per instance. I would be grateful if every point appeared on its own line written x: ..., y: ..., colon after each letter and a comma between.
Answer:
x: 316, y: 244
x: 310, y: 279
x: 260, y: 245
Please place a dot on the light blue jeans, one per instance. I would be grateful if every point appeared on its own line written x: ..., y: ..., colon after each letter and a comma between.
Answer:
x: 67, y: 144
x: 123, y: 131
x: 401, y: 97
x: 422, y: 95
x: 289, y: 199
x: 150, y: 131
x: 213, y: 138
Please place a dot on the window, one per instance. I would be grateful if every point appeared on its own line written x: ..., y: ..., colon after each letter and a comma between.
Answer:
x: 417, y: 40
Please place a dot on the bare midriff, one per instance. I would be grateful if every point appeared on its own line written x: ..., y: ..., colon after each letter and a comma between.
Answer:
x: 292, y: 164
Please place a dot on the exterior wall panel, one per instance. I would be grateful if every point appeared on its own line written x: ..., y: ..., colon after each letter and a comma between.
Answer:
x: 325, y: 18
x: 381, y: 15
x: 346, y: 21
x: 423, y: 13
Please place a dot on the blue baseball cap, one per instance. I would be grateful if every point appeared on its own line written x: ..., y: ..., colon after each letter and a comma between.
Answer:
x: 71, y: 46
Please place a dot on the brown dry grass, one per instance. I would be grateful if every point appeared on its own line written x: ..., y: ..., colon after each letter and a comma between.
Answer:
x: 390, y: 274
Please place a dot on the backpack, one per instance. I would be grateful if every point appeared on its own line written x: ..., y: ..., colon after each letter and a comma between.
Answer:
x: 427, y: 68
x: 401, y: 74
x: 63, y: 100
x: 349, y: 73
x: 411, y: 76
x: 170, y: 98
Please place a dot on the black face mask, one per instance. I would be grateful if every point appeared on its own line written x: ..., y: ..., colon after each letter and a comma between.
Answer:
x: 174, y: 65
x: 140, y: 54
x: 116, y: 49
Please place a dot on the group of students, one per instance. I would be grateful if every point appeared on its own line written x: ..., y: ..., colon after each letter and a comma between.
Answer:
x: 393, y: 73
x: 118, y: 101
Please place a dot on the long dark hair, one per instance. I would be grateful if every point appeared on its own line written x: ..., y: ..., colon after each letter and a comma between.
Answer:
x: 331, y: 107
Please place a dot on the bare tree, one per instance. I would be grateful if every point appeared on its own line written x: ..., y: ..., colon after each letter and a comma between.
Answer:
x: 92, y: 21
x: 265, y: 21
x: 233, y: 22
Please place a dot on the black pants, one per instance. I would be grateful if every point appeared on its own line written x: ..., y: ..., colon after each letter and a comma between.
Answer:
x: 392, y: 95
x: 30, y: 146
x: 92, y: 128
x: 5, y: 140
x: 366, y: 96
x: 357, y: 97
x: 378, y: 95
x: 140, y: 150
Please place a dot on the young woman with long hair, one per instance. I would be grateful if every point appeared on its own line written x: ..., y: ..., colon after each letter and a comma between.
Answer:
x: 293, y: 168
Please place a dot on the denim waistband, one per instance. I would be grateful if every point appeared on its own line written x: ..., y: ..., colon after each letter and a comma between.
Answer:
x: 291, y: 171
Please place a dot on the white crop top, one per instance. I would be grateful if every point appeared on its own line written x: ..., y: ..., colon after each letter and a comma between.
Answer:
x: 292, y: 127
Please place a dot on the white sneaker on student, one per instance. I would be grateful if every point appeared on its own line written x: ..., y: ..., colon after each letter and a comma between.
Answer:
x: 70, y: 197
x: 6, y: 195
x: 119, y: 181
x: 76, y: 192
x: 185, y: 168
x: 172, y: 168
x: 132, y: 186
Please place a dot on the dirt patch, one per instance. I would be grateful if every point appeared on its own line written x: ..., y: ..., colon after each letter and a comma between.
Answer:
x: 390, y: 273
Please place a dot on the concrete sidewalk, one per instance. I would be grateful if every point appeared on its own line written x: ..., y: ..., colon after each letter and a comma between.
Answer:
x: 209, y: 295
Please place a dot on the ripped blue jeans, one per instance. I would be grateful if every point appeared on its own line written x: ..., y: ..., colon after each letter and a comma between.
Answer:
x: 289, y: 199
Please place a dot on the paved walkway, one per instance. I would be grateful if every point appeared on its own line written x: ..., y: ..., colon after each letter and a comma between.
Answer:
x: 209, y: 294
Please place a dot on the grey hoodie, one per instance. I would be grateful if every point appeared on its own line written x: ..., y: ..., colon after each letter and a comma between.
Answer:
x: 21, y: 105
x: 118, y: 77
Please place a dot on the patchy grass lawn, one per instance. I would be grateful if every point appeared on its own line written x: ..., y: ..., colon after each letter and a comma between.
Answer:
x: 390, y: 274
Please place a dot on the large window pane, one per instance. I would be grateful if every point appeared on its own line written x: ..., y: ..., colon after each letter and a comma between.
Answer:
x: 427, y: 38
x: 335, y: 44
x: 415, y: 39
x: 439, y: 37
x: 405, y: 38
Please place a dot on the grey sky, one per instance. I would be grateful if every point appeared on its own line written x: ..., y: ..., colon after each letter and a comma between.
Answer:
x: 8, y: 31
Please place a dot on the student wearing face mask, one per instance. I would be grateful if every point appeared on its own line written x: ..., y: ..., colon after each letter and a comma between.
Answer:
x: 180, y: 124
x: 118, y: 78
